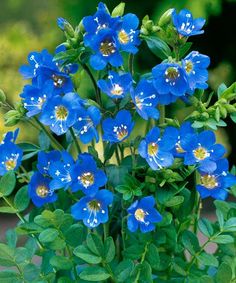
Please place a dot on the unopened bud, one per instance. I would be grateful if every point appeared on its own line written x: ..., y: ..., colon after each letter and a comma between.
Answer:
x: 118, y: 10
x: 2, y: 96
x: 166, y: 19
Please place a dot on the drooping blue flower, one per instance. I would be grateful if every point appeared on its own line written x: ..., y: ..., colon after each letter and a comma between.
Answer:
x: 215, y: 184
x: 186, y: 25
x: 45, y: 159
x: 116, y: 86
x: 145, y: 99
x: 87, y: 177
x: 60, y: 172
x: 202, y: 150
x: 87, y: 121
x: 34, y: 98
x: 93, y: 210
x: 158, y: 150
x: 142, y: 214
x: 39, y: 191
x: 36, y: 61
x: 170, y: 79
x: 101, y: 20
x: 61, y: 22
x: 185, y: 133
x: 60, y: 113
x: 195, y: 66
x: 127, y: 33
x: 118, y: 129
x: 106, y: 50
x: 10, y: 153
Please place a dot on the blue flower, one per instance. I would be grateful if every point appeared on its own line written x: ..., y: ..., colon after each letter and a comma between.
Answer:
x: 39, y: 191
x: 195, y: 66
x: 170, y: 79
x: 186, y: 25
x: 145, y: 99
x: 127, y: 33
x: 10, y: 137
x: 117, y: 85
x: 61, y: 22
x: 61, y: 112
x: 60, y: 172
x: 156, y: 150
x: 86, y: 124
x: 118, y: 129
x: 101, y: 20
x: 34, y: 98
x: 93, y: 210
x: 142, y: 214
x: 185, y: 133
x: 201, y: 150
x: 87, y: 177
x: 36, y: 61
x: 106, y: 48
x: 45, y: 159
x: 214, y: 184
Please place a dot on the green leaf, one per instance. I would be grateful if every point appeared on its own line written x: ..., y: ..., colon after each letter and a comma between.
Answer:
x: 205, y: 227
x: 48, y: 235
x: 220, y: 217
x: 69, y: 55
x: 123, y: 270
x: 7, y: 184
x: 28, y: 147
x: 7, y: 209
x: 184, y: 49
x: 6, y: 255
x: 10, y: 276
x: 61, y: 262
x: 221, y: 89
x: 224, y: 273
x: 85, y: 254
x: 95, y: 244
x: 190, y: 242
x: 158, y: 47
x: 94, y: 273
x: 75, y: 235
x: 30, y: 272
x: 109, y: 249
x: 21, y: 200
x: 134, y: 252
x: 44, y: 141
x: 152, y: 256
x: 11, y: 238
x: 176, y: 200
x: 109, y: 150
x: 208, y: 259
x: 230, y: 225
x: 22, y: 255
x: 223, y: 239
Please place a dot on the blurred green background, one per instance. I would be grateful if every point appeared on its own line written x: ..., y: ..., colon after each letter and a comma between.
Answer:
x: 31, y: 26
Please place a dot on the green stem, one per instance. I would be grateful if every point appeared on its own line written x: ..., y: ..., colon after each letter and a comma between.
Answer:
x: 131, y: 63
x: 142, y: 260
x: 162, y: 114
x: 197, y: 204
x: 54, y: 142
x: 117, y: 155
x: 75, y: 141
x: 71, y: 258
x: 105, y: 230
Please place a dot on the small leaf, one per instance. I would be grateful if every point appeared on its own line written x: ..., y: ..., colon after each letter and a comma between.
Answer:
x: 61, y: 262
x: 6, y: 255
x: 85, y: 254
x: 177, y: 200
x: 230, y: 225
x: 94, y: 273
x: 205, y: 227
x: 223, y: 239
x: 30, y: 272
x: 48, y: 235
x: 7, y: 209
x: 11, y: 238
x: 109, y: 249
x: 21, y: 200
x: 9, y: 276
x: 123, y: 270
x: 7, y: 183
x: 95, y: 244
x: 208, y: 259
x: 152, y: 256
x: 220, y: 217
x: 190, y: 242
x: 44, y: 141
x: 224, y: 273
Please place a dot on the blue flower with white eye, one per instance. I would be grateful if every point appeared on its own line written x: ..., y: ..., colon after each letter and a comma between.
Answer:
x: 215, y: 184
x: 142, y: 214
x: 127, y: 33
x: 106, y: 48
x: 116, y: 86
x: 61, y: 113
x: 36, y: 61
x: 87, y: 177
x: 186, y: 25
x: 170, y: 79
x: 101, y: 20
x: 60, y: 172
x: 201, y: 149
x: 195, y: 66
x: 158, y: 150
x: 87, y: 121
x: 118, y: 129
x: 185, y: 133
x: 93, y: 210
x: 145, y: 99
x: 34, y: 98
x: 59, y: 82
x: 45, y: 159
x: 39, y: 191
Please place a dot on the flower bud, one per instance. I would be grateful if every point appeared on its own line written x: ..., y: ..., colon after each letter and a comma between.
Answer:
x: 166, y: 19
x: 2, y: 96
x: 12, y: 117
x: 65, y: 26
x: 118, y: 10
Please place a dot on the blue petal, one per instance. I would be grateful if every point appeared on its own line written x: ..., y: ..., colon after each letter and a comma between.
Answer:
x: 132, y: 223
